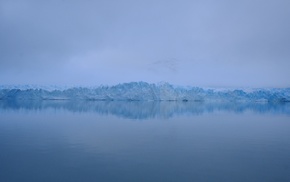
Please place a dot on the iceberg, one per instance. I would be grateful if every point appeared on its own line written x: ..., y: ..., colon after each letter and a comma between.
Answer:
x: 142, y: 91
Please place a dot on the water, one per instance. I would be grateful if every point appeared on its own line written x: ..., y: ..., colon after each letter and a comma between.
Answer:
x: 144, y: 141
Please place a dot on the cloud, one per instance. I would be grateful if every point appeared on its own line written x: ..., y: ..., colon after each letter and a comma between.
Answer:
x: 170, y: 65
x: 117, y: 41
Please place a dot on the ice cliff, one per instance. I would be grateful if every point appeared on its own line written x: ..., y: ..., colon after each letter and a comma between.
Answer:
x: 142, y: 91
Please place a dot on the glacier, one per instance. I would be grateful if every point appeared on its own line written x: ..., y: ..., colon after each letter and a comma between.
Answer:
x: 143, y: 91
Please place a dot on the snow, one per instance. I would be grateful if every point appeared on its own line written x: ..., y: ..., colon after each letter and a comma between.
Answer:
x: 142, y: 91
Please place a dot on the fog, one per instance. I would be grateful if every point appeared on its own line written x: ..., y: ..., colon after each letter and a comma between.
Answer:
x: 200, y: 43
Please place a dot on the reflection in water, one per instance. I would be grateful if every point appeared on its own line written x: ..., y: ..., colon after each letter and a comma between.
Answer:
x: 67, y: 141
x: 146, y: 110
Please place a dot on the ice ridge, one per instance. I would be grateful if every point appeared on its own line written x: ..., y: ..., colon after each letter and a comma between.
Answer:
x: 142, y: 91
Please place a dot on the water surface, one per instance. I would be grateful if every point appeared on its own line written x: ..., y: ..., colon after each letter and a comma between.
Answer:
x: 144, y: 141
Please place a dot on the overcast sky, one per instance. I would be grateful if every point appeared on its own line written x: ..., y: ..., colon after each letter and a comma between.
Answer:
x: 217, y: 43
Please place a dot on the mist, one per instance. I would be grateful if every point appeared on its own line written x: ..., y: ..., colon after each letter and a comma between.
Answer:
x: 199, y: 43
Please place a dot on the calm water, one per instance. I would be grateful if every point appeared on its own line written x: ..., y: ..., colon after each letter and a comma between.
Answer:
x: 144, y: 141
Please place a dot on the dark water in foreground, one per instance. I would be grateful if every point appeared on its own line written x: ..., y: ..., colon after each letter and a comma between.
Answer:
x: 144, y: 141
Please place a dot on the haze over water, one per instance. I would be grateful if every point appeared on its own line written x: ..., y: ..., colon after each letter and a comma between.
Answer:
x: 113, y: 133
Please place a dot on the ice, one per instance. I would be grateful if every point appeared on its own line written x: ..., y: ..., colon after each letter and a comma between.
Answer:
x: 142, y: 91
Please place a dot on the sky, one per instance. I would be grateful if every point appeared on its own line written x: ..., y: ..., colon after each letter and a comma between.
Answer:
x: 206, y: 43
